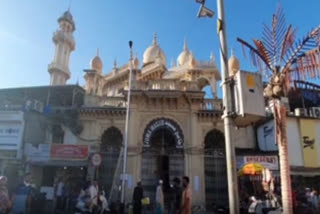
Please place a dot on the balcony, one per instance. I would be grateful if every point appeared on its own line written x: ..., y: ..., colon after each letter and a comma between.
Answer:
x: 165, y: 85
x: 212, y: 105
x: 113, y: 101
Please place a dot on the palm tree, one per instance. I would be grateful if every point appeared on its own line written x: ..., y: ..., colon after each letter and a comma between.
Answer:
x: 282, y: 59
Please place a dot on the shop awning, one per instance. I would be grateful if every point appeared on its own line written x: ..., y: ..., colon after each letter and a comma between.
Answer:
x: 304, y: 171
x: 60, y: 163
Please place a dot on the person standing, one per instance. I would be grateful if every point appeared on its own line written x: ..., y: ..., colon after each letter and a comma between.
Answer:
x: 177, y: 194
x: 137, y: 197
x: 93, y: 192
x: 186, y: 196
x: 159, y: 198
x: 5, y: 203
x: 59, y: 194
x: 22, y: 197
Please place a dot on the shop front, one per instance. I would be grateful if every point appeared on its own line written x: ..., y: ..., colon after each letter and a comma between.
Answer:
x: 51, y: 163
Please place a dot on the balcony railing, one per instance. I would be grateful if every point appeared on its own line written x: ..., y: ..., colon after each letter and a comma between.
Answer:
x: 165, y: 85
x: 212, y: 105
x: 113, y: 101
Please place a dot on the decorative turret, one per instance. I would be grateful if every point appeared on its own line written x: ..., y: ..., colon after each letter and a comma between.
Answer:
x: 233, y: 64
x: 65, y: 44
x: 96, y: 63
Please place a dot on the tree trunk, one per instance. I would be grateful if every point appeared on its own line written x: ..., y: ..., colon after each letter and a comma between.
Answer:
x: 282, y: 141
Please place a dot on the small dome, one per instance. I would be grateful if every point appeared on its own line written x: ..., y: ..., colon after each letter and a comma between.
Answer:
x: 233, y: 65
x: 153, y: 53
x: 67, y: 16
x: 96, y: 63
x: 184, y: 56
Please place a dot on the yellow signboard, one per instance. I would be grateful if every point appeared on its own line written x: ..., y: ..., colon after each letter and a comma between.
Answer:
x: 309, y: 142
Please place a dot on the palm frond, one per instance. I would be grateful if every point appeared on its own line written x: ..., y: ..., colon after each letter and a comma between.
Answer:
x: 307, y: 65
x: 274, y: 35
x: 263, y: 51
x: 255, y: 55
x: 304, y: 56
x: 288, y: 42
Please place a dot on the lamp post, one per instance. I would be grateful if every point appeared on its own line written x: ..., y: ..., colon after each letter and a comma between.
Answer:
x: 125, y: 150
x: 227, y: 103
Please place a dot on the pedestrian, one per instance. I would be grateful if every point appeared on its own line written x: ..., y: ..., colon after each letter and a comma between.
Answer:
x: 59, y: 195
x: 186, y: 202
x: 137, y: 197
x: 314, y: 199
x: 93, y: 192
x: 159, y: 198
x: 22, y: 197
x: 5, y: 203
x: 177, y: 194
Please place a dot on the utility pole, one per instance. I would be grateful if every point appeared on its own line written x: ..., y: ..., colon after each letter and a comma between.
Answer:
x: 125, y: 150
x: 228, y: 123
x: 227, y: 104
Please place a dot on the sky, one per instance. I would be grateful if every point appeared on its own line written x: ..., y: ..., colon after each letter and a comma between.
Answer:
x: 27, y: 26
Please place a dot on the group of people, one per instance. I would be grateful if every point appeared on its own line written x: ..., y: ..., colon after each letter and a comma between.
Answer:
x: 92, y: 200
x: 20, y: 202
x: 180, y: 198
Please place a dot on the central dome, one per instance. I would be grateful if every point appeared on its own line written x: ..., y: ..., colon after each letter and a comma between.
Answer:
x: 153, y: 53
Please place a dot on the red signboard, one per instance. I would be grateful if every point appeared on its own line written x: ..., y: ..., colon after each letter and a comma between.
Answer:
x: 69, y: 152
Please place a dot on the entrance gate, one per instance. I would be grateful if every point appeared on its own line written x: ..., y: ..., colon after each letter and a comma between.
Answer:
x: 162, y: 157
x: 215, y: 170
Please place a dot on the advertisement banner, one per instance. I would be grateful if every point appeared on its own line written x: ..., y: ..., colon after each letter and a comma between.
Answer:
x: 271, y: 161
x: 69, y: 152
x: 308, y: 143
x: 10, y: 135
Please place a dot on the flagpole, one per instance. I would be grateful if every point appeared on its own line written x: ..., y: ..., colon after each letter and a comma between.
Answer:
x: 125, y: 153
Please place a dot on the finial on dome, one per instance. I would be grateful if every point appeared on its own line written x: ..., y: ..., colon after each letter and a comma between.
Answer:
x: 232, y: 52
x: 97, y: 51
x: 115, y: 63
x: 212, y: 58
x: 69, y: 8
x: 185, y: 45
x: 172, y: 63
x: 154, y: 39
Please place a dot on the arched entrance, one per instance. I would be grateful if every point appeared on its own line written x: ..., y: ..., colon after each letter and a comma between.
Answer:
x: 111, y: 144
x: 162, y: 156
x: 215, y: 170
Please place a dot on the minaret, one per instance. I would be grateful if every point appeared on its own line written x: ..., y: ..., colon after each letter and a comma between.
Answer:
x: 65, y: 44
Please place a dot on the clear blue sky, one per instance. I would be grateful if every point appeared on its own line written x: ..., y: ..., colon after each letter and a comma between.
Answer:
x: 26, y: 28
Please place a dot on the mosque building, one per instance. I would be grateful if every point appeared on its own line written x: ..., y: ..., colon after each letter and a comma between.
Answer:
x: 173, y: 129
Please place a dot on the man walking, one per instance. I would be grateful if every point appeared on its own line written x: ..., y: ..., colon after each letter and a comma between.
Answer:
x: 137, y: 197
x: 159, y: 198
x: 22, y: 196
x: 186, y: 197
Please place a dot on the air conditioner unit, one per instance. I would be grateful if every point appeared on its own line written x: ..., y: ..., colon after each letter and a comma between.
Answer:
x: 301, y: 112
x: 315, y: 112
x: 249, y: 100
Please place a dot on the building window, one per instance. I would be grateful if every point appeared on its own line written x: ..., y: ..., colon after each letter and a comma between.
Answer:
x: 57, y: 134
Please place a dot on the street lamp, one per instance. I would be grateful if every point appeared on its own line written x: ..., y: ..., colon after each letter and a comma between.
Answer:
x: 227, y: 103
x: 125, y: 153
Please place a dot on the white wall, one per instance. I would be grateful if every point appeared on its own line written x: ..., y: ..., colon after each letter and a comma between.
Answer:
x: 295, y: 150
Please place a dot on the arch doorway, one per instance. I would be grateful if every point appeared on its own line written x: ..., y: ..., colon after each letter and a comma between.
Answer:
x: 162, y: 157
x: 111, y: 144
x: 215, y: 170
